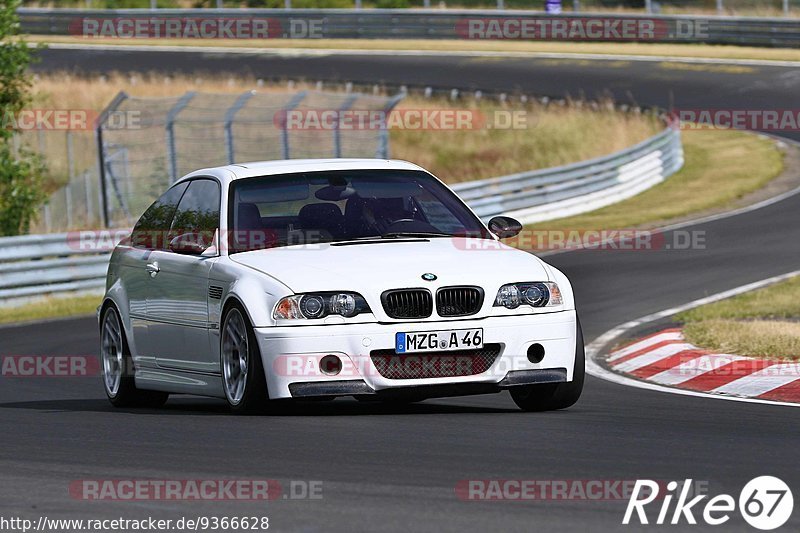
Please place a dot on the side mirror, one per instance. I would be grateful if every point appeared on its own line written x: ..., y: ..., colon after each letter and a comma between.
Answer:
x: 189, y: 244
x: 505, y: 227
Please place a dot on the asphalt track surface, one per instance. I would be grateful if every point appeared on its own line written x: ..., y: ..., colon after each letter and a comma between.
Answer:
x: 397, y: 469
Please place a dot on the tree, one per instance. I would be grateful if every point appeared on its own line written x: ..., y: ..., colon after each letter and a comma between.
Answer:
x: 21, y: 173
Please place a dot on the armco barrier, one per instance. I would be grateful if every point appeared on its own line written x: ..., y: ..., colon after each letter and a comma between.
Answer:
x: 439, y: 24
x: 577, y: 188
x: 33, y: 265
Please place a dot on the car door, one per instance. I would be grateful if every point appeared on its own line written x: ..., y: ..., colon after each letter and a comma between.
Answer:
x: 148, y: 235
x: 177, y: 303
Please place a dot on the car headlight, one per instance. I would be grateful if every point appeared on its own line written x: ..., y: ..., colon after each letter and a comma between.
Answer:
x: 320, y: 305
x: 534, y: 294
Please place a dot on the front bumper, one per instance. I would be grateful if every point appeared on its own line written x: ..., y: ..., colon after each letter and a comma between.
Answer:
x: 291, y: 356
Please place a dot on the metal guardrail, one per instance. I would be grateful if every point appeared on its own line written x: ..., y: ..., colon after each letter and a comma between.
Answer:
x: 577, y: 188
x: 432, y: 24
x: 33, y: 265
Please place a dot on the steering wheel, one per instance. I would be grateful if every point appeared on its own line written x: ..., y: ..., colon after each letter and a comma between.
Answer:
x: 415, y: 225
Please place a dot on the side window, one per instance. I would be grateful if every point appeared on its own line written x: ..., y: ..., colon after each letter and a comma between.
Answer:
x: 152, y: 228
x: 198, y: 210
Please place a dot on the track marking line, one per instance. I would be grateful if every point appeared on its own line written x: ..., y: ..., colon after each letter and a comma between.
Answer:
x: 762, y: 381
x: 692, y: 368
x: 668, y: 363
x: 647, y: 342
x: 652, y: 356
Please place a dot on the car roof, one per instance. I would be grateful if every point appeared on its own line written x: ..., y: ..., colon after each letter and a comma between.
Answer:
x: 290, y: 166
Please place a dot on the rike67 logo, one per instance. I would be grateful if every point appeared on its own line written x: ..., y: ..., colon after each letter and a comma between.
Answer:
x: 765, y: 503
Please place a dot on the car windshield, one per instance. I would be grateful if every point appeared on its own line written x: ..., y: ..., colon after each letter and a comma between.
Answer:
x: 338, y: 206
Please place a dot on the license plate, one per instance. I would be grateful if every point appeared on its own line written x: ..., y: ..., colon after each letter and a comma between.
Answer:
x: 447, y: 340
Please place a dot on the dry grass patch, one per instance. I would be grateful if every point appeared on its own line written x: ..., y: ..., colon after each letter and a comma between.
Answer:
x: 777, y: 302
x: 757, y: 338
x: 761, y: 323
x: 721, y: 166
x: 548, y: 135
x: 52, y: 307
x: 644, y: 49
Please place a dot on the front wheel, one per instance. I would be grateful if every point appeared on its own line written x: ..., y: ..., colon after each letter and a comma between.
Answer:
x: 552, y: 396
x: 243, y: 376
x: 118, y: 371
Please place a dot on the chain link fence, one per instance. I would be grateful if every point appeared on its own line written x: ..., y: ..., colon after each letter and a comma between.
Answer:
x: 73, y: 184
x: 140, y: 146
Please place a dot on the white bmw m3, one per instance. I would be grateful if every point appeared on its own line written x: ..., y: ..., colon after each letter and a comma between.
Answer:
x: 324, y: 278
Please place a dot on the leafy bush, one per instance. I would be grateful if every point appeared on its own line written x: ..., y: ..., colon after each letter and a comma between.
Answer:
x: 20, y: 173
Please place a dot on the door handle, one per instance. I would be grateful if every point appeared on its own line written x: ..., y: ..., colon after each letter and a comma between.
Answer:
x: 153, y: 269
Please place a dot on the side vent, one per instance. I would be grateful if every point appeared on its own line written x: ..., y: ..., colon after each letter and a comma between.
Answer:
x: 214, y: 292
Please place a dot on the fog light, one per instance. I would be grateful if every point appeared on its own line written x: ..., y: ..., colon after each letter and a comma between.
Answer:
x: 330, y: 365
x: 535, y: 353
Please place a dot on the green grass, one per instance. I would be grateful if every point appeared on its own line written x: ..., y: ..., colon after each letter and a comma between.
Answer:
x: 51, y: 308
x: 762, y: 323
x: 777, y: 302
x: 721, y: 166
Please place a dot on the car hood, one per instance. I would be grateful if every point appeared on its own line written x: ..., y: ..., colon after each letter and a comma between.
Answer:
x: 375, y: 266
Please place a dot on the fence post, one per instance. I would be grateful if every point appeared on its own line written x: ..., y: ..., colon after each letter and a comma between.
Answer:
x: 41, y: 143
x: 68, y: 203
x: 720, y: 7
x: 648, y: 6
x: 294, y: 102
x: 337, y: 134
x: 383, y: 137
x: 101, y: 168
x: 171, y: 116
x: 101, y: 154
x: 70, y: 156
x: 500, y: 4
x: 47, y: 224
x: 87, y: 190
x: 785, y: 8
x: 229, y: 116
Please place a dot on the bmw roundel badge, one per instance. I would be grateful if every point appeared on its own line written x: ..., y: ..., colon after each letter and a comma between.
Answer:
x: 429, y: 277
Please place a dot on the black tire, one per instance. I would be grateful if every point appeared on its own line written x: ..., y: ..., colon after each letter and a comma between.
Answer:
x: 254, y: 397
x: 115, y: 357
x: 552, y: 396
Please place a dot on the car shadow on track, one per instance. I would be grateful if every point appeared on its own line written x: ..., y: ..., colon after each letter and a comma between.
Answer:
x: 206, y: 407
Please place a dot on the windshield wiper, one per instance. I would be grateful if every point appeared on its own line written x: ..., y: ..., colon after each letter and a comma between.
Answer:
x: 391, y: 235
x: 396, y: 234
